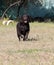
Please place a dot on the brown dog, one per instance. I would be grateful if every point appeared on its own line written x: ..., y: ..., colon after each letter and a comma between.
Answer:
x: 23, y: 28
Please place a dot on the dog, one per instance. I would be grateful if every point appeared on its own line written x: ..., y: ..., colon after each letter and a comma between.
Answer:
x: 23, y: 28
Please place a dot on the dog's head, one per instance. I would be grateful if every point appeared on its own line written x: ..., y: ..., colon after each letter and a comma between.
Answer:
x: 25, y: 19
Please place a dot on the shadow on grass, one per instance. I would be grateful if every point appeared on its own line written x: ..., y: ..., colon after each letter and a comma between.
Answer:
x: 32, y: 39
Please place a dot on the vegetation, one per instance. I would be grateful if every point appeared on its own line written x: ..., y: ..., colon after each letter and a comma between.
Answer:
x: 20, y: 3
x: 38, y: 50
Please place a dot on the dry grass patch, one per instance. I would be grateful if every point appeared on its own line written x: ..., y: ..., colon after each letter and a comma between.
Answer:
x: 38, y: 50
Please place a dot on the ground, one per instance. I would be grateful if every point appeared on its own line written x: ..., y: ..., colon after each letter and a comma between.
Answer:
x: 38, y: 50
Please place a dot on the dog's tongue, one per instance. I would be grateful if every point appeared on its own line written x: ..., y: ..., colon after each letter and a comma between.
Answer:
x: 25, y: 21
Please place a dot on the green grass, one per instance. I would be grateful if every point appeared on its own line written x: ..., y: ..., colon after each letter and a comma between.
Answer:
x: 30, y: 51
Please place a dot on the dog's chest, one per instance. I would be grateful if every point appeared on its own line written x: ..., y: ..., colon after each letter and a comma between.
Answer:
x: 23, y: 27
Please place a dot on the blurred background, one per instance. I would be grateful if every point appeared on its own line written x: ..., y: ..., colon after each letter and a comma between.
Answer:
x: 35, y: 9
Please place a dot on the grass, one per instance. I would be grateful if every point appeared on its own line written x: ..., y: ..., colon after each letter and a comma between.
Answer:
x: 31, y: 52
x: 51, y: 24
